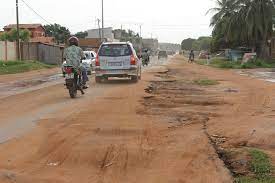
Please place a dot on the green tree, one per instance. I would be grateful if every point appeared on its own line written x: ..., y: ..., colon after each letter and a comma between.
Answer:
x: 5, y: 36
x: 187, y: 44
x: 202, y: 43
x: 196, y: 45
x: 81, y: 34
x: 60, y: 33
x: 243, y: 23
x: 205, y: 43
x: 24, y: 35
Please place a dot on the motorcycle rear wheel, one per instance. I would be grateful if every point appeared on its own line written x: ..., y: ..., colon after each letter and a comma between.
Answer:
x: 72, y: 92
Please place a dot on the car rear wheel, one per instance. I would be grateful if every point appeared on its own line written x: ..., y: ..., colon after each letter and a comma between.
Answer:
x: 139, y: 77
x: 134, y: 79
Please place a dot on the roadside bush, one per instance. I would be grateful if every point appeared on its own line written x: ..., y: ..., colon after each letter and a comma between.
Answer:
x: 225, y: 64
x: 12, y: 67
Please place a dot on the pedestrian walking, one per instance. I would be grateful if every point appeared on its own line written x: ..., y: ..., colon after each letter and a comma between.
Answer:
x: 191, y: 57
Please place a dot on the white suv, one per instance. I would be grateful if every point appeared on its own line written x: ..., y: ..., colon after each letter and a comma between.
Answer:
x: 117, y: 60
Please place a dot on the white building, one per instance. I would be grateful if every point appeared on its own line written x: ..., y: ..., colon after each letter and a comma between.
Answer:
x: 96, y: 33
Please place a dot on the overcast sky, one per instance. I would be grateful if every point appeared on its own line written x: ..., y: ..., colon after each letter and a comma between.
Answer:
x: 167, y: 20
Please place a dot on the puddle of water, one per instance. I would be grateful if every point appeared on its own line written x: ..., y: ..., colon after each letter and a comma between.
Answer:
x: 9, y: 89
x: 270, y: 80
x: 37, y: 81
x: 266, y: 76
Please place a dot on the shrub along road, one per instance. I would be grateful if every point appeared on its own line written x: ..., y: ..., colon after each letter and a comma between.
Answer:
x: 14, y: 67
x: 181, y: 123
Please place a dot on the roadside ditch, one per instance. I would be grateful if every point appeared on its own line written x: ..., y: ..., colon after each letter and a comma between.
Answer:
x: 181, y: 102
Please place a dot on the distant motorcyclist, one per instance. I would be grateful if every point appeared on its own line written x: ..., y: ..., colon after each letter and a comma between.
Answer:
x: 191, y: 56
x: 145, y: 57
x: 73, y: 56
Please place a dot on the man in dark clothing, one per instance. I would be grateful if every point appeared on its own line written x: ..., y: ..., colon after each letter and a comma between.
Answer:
x: 191, y: 57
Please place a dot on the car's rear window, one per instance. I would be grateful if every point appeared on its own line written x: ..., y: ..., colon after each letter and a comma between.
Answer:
x: 115, y: 50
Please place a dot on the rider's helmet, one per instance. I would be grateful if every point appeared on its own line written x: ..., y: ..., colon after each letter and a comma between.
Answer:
x: 73, y: 41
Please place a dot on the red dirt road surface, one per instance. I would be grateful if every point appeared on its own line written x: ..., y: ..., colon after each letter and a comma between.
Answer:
x: 165, y: 129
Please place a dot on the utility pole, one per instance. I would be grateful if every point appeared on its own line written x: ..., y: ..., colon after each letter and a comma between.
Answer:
x: 99, y: 30
x: 102, y: 34
x: 140, y: 31
x: 17, y: 27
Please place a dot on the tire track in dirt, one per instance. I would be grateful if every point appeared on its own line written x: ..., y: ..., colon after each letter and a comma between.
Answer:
x: 126, y: 136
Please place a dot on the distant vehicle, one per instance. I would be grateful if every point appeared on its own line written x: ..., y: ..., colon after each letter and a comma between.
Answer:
x: 162, y: 54
x: 89, y: 61
x: 171, y: 53
x: 145, y: 57
x: 203, y: 55
x: 221, y: 54
x: 117, y: 60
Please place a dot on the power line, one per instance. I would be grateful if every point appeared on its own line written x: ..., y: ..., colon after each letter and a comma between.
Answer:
x: 35, y: 12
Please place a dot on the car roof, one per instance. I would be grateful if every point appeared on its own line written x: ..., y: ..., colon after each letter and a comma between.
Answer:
x: 116, y: 43
x: 89, y: 51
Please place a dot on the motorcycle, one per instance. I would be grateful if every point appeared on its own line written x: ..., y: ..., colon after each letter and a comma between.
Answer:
x: 73, y: 81
x: 145, y: 61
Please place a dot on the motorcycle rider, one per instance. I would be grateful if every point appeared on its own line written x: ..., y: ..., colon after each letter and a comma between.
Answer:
x: 73, y: 56
x: 146, y: 57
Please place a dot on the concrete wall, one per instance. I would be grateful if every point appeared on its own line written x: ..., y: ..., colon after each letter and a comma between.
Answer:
x: 11, y: 51
x: 7, y: 51
x: 50, y: 54
x: 29, y: 51
x: 2, y: 50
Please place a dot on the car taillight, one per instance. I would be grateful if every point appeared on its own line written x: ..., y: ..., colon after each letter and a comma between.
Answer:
x: 133, y: 60
x: 68, y: 70
x: 97, y: 63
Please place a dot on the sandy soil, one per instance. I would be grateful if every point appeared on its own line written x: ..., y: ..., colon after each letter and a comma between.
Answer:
x: 165, y: 129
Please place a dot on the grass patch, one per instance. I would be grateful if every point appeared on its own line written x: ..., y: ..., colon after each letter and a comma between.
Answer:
x: 225, y: 64
x: 205, y: 82
x: 260, y: 163
x: 253, y: 180
x: 260, y: 166
x: 13, y: 67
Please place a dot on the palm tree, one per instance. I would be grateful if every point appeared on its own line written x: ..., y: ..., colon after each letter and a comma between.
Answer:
x: 246, y: 22
x: 224, y: 9
x: 222, y: 21
x: 259, y: 23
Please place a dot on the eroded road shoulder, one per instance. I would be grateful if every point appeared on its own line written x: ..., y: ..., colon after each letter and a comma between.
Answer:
x: 170, y: 127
